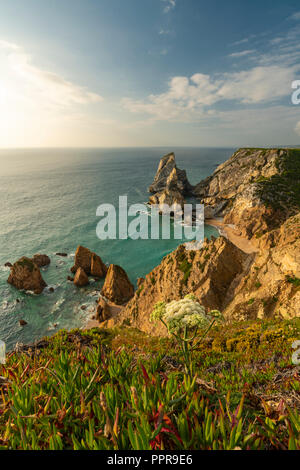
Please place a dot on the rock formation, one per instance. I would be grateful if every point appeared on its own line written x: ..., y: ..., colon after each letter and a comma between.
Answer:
x: 25, y: 274
x: 103, y: 311
x: 257, y: 191
x: 89, y: 262
x: 117, y: 286
x: 210, y: 273
x: 41, y: 260
x: 98, y: 268
x: 81, y: 279
x: 170, y: 184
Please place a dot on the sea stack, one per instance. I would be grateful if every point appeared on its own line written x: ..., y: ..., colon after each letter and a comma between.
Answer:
x: 91, y: 263
x: 170, y: 184
x: 117, y: 287
x: 26, y: 275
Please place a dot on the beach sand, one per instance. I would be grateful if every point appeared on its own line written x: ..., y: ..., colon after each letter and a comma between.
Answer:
x: 233, y: 235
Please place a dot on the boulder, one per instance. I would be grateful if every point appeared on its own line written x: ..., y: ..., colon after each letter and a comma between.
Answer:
x: 41, y: 260
x: 89, y: 262
x: 8, y: 265
x: 23, y: 323
x: 25, y: 274
x: 98, y: 268
x: 81, y: 279
x: 117, y: 286
x: 64, y: 255
x: 103, y: 311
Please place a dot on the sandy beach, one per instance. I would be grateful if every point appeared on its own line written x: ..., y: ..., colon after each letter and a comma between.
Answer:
x: 233, y: 235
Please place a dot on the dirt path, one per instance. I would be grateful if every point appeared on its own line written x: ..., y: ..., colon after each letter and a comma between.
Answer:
x: 233, y: 235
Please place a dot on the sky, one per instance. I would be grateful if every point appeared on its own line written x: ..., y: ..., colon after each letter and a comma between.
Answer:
x: 125, y: 73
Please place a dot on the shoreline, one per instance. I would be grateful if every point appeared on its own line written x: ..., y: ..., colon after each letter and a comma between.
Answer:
x: 231, y: 233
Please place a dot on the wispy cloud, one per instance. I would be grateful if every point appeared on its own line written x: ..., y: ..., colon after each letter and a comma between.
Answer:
x: 241, y: 41
x: 295, y: 16
x: 48, y: 87
x: 242, y: 53
x: 170, y: 5
x: 164, y: 32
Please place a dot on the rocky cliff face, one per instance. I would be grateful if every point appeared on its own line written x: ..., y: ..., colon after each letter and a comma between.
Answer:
x: 259, y: 192
x: 210, y: 273
x: 256, y: 190
x: 170, y: 184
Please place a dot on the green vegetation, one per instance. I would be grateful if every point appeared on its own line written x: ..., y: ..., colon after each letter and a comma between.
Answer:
x: 293, y: 280
x: 121, y: 389
x: 185, y: 267
x: 282, y: 191
x: 26, y: 263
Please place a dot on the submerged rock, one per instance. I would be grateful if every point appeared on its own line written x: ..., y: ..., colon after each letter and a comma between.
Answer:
x: 23, y: 323
x: 25, y: 274
x: 64, y: 255
x: 8, y: 265
x: 81, y: 279
x: 117, y: 286
x: 41, y: 260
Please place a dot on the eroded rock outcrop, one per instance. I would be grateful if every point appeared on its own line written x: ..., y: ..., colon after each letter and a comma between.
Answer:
x: 26, y: 275
x: 211, y: 273
x: 81, y: 279
x: 272, y: 285
x: 103, y: 311
x: 117, y: 287
x: 170, y: 184
x: 255, y: 190
x: 41, y: 260
x: 91, y: 263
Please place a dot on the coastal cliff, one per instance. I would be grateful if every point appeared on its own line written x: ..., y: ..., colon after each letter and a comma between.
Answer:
x: 256, y: 190
x: 257, y: 194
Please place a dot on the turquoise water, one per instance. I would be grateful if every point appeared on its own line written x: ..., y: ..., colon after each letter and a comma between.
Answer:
x: 48, y: 205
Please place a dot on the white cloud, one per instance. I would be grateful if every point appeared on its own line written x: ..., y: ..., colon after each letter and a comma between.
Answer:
x: 23, y: 77
x: 242, y: 53
x: 297, y: 128
x: 171, y: 4
x: 241, y: 41
x: 190, y: 99
x: 295, y: 16
x: 164, y: 32
x: 258, y: 85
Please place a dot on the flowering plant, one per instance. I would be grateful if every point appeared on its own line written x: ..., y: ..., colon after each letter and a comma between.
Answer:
x: 183, y: 319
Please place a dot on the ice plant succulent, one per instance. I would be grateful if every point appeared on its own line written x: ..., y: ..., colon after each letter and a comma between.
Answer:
x: 183, y: 319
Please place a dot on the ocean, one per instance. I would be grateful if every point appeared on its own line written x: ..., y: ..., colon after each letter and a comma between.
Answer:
x: 49, y: 199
